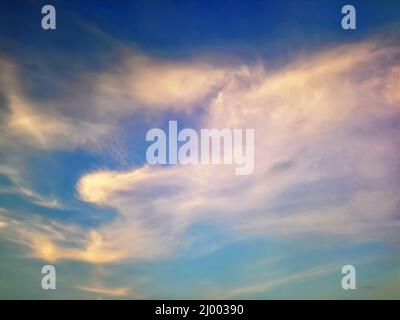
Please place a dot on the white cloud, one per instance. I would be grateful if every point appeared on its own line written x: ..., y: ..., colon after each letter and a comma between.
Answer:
x: 140, y: 82
x: 305, y: 116
x: 265, y: 286
x: 19, y: 187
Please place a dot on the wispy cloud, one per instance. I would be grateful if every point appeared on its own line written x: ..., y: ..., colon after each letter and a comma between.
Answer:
x: 303, y: 98
x: 263, y: 287
x: 20, y: 188
x: 319, y: 115
x: 116, y: 292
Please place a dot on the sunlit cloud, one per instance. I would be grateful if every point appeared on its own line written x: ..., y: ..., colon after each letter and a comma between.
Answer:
x: 306, y: 117
x: 151, y: 85
x: 116, y: 292
x: 301, y: 98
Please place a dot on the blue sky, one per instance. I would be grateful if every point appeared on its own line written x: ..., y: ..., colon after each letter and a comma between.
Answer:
x: 76, y: 192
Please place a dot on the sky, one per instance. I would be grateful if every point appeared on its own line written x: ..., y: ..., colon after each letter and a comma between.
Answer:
x: 77, y: 193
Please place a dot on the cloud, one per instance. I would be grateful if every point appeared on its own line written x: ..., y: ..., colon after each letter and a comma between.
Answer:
x: 42, y: 126
x: 3, y: 223
x: 325, y: 154
x: 262, y: 287
x: 88, y: 112
x: 393, y: 85
x: 269, y: 282
x: 141, y: 82
x: 53, y: 241
x: 115, y: 292
x: 119, y: 292
x: 22, y: 189
x: 319, y: 114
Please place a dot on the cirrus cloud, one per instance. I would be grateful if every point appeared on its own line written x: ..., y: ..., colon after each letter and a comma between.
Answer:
x: 325, y: 154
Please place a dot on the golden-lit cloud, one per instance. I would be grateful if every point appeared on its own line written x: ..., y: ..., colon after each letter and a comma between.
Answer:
x: 115, y: 292
x: 157, y: 85
x: 3, y: 224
